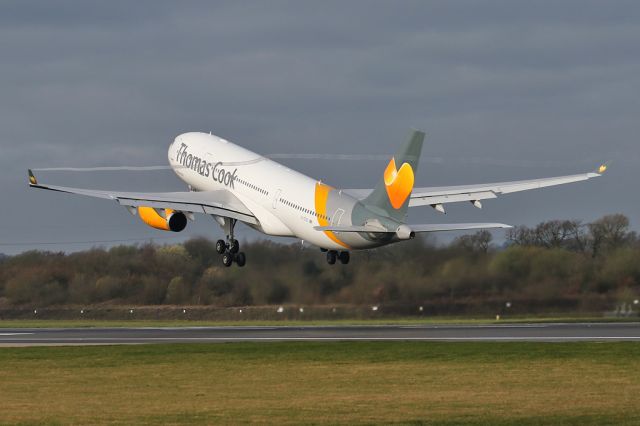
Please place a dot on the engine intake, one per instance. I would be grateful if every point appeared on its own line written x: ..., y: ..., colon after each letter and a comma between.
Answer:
x: 165, y: 220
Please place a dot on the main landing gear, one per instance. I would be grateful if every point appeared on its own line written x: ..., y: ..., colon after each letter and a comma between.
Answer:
x: 333, y: 256
x: 230, y: 249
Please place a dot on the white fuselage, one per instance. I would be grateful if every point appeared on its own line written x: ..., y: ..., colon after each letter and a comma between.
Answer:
x: 283, y: 201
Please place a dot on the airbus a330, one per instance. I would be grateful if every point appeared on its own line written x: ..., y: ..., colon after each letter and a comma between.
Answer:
x: 233, y: 184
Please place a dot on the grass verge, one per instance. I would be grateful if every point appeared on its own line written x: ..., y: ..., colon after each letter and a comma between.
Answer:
x: 339, y: 382
x: 34, y: 323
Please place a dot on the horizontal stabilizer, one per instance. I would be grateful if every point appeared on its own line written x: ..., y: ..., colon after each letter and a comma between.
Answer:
x: 416, y: 228
x: 350, y: 229
x: 457, y: 227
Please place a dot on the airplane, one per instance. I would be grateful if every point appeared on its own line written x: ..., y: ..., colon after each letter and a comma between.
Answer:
x: 233, y: 184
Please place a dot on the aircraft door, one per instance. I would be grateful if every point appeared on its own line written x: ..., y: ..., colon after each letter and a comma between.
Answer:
x: 276, y: 197
x: 337, y: 216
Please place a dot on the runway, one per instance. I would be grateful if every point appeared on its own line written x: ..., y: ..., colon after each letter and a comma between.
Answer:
x: 557, y: 332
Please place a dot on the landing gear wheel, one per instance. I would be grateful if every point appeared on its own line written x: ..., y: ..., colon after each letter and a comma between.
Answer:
x: 221, y: 246
x: 331, y: 257
x: 344, y: 257
x: 227, y: 259
x: 234, y: 246
x: 241, y: 259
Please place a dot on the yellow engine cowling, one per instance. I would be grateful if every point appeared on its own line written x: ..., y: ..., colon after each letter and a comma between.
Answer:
x: 172, y: 220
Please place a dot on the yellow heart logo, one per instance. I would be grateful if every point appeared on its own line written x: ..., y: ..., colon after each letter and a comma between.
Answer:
x: 399, y: 183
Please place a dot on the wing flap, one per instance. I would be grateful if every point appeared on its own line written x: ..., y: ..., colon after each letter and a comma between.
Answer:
x: 453, y: 198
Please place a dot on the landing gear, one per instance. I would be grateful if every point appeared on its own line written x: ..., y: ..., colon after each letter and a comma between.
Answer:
x: 333, y: 256
x: 230, y: 250
x: 227, y: 259
x: 241, y: 259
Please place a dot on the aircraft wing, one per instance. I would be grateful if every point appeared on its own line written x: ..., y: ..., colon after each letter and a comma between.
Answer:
x: 439, y: 195
x: 220, y: 202
x: 416, y: 228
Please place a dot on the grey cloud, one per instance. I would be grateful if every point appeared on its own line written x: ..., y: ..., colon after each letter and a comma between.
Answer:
x: 500, y: 87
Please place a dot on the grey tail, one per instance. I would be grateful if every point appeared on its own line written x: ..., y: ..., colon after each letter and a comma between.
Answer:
x: 392, y: 194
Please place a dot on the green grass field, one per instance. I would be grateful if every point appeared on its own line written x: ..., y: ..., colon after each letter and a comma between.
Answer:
x: 354, y: 383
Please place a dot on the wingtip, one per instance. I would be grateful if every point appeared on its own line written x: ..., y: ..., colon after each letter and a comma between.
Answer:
x: 32, y: 178
x: 603, y: 168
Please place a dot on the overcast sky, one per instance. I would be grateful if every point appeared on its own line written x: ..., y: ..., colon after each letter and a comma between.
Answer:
x: 504, y: 89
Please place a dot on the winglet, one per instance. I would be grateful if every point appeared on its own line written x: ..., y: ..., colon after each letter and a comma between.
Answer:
x: 603, y: 168
x: 32, y: 178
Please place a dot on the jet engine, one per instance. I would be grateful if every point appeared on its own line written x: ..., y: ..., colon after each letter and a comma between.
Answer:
x: 405, y: 233
x: 163, y: 219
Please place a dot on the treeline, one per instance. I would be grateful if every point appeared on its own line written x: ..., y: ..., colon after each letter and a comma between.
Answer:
x: 553, y: 262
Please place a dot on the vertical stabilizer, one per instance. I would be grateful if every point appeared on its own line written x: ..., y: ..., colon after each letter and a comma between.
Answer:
x: 392, y: 194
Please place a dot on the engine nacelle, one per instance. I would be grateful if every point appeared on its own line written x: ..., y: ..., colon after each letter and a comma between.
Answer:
x: 171, y: 220
x: 405, y: 233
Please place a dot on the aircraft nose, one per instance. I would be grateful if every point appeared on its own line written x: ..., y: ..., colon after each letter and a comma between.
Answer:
x: 173, y: 150
x: 174, y: 142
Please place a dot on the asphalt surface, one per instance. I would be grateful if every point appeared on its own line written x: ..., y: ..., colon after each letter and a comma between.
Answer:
x: 508, y: 332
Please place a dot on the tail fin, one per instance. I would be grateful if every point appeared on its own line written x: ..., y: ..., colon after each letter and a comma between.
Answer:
x: 392, y: 194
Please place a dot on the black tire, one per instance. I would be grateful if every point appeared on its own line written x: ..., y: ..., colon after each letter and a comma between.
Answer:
x: 331, y: 257
x: 221, y: 246
x: 227, y: 259
x: 344, y: 257
x: 234, y: 246
x: 241, y: 259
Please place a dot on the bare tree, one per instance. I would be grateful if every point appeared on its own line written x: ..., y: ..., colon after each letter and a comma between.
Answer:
x: 478, y: 242
x: 559, y: 234
x: 569, y: 234
x: 578, y: 236
x: 521, y: 236
x: 608, y: 233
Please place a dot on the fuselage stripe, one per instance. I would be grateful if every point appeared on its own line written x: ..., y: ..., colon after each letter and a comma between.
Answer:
x: 321, y: 197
